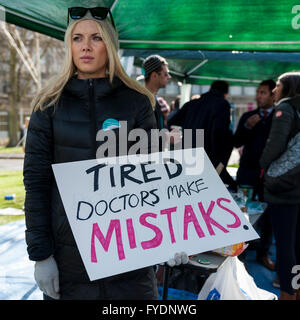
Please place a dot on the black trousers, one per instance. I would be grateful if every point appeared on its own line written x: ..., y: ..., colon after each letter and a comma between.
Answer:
x: 265, y: 230
x: 286, y: 227
x: 246, y: 176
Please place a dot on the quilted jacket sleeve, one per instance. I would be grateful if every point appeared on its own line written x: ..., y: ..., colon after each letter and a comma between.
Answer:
x: 282, y: 123
x: 38, y: 179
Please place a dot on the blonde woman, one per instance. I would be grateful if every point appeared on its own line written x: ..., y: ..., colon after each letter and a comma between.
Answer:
x: 67, y: 113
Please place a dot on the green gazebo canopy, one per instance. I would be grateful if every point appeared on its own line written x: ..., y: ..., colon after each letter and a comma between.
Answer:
x: 232, y: 26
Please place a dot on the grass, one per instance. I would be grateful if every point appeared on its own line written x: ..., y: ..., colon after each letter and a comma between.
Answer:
x: 11, y: 182
x: 11, y: 150
x: 233, y: 166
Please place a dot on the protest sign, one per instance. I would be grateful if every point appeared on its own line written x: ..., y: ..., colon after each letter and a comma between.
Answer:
x: 139, y: 213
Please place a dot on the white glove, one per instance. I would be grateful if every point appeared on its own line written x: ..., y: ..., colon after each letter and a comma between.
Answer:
x: 46, y: 277
x: 179, y: 258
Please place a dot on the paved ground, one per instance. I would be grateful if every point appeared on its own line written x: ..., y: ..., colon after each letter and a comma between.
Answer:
x: 16, y: 270
x: 11, y: 164
x: 235, y: 157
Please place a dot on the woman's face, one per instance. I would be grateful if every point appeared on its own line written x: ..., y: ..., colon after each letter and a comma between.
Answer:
x: 88, y: 50
x: 277, y: 91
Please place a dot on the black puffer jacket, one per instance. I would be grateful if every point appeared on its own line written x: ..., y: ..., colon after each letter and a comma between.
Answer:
x: 66, y: 134
x: 284, y: 127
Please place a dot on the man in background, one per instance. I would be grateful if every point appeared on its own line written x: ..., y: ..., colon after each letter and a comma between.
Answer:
x: 157, y: 75
x: 210, y: 112
x: 251, y: 134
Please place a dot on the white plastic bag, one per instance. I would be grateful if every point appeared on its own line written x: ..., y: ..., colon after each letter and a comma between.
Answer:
x: 232, y: 282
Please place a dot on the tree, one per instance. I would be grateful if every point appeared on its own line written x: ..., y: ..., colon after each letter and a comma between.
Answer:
x: 27, y: 57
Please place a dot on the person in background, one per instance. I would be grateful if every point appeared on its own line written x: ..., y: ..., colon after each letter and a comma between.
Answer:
x: 195, y: 96
x: 210, y: 112
x: 67, y: 114
x: 175, y: 104
x: 284, y: 206
x: 157, y: 75
x: 25, y: 128
x: 252, y: 133
x: 164, y: 108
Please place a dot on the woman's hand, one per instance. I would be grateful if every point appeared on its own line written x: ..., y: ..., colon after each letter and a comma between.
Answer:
x: 179, y: 258
x: 46, y: 277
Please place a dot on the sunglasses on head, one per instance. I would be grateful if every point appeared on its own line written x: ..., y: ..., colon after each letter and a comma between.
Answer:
x: 99, y: 13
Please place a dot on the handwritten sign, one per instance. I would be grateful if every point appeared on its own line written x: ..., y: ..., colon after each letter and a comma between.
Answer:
x: 140, y: 213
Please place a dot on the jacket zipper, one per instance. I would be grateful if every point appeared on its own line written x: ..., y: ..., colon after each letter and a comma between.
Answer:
x: 92, y: 108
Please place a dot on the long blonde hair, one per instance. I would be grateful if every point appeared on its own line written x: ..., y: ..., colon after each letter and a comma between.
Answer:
x: 51, y: 92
